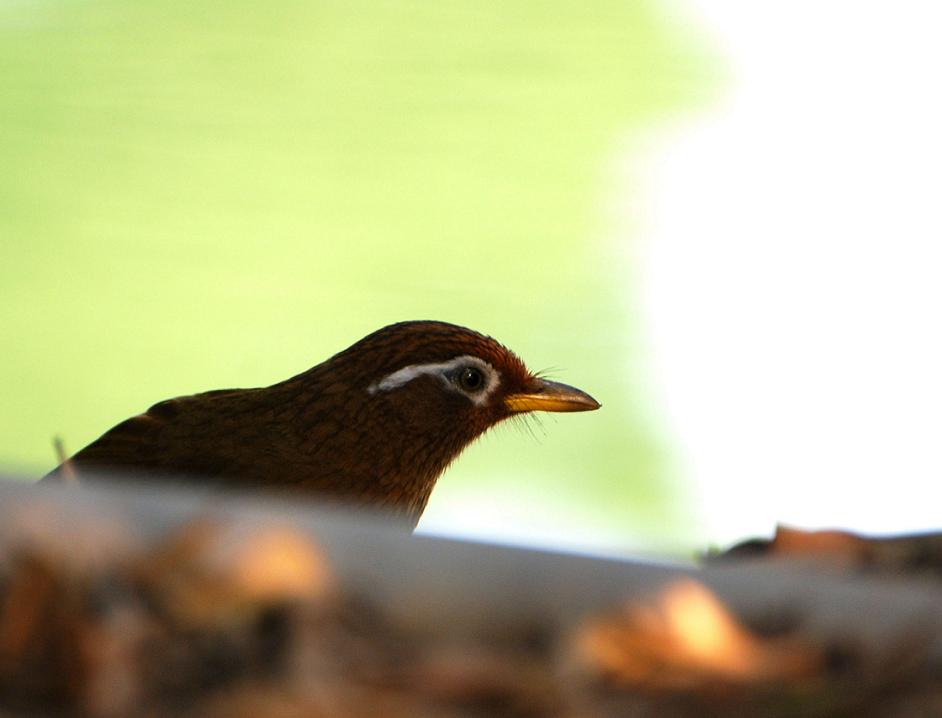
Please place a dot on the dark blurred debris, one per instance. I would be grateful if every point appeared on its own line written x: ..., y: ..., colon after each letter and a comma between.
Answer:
x: 910, y: 554
x: 223, y: 615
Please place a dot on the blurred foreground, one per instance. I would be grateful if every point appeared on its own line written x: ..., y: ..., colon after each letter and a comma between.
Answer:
x: 119, y: 602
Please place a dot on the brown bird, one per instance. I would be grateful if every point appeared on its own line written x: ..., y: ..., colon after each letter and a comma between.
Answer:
x: 374, y: 425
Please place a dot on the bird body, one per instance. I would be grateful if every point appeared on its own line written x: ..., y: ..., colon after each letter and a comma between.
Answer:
x: 374, y: 425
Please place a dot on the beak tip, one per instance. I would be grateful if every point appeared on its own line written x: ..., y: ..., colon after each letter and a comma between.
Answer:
x: 591, y: 404
x: 552, y: 396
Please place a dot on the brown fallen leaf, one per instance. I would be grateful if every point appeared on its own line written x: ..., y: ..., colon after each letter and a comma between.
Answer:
x: 685, y: 639
x: 210, y: 572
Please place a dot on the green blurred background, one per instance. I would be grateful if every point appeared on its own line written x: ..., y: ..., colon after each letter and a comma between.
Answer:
x: 197, y: 195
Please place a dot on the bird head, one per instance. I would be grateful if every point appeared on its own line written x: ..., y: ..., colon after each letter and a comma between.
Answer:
x: 441, y: 385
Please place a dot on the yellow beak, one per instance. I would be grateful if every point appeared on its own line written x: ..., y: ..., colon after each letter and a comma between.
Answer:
x: 551, y: 396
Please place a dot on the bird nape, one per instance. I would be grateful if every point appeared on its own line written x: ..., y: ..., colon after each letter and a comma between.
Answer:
x: 373, y: 426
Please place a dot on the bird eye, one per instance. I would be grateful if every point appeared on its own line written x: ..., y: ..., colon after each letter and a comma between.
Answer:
x: 471, y: 379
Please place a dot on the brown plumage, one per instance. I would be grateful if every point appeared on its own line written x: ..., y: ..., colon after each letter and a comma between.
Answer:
x: 374, y: 425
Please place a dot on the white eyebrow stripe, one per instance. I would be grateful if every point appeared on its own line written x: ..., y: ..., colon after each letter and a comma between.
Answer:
x: 403, y: 376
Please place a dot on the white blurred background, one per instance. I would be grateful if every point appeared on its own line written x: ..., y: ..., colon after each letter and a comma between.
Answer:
x: 791, y: 270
